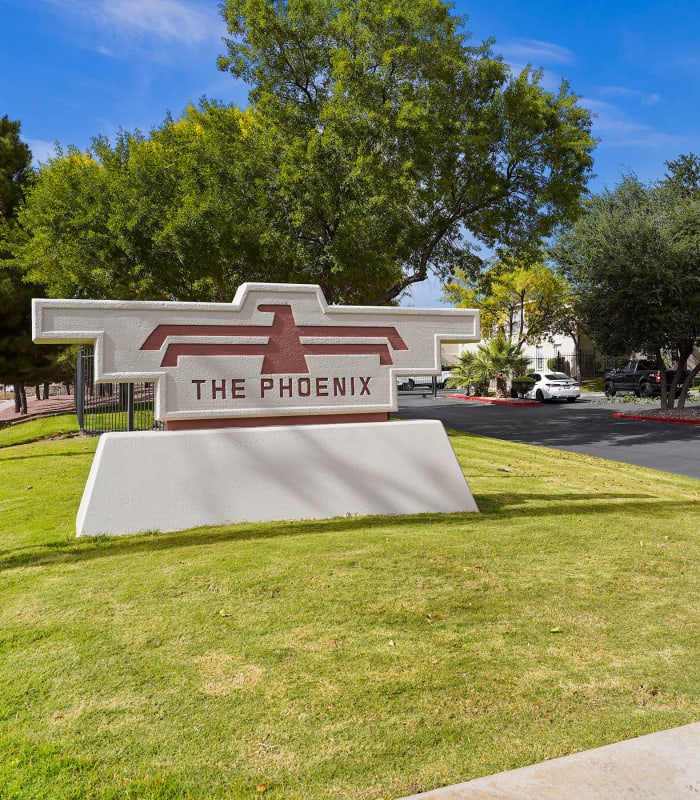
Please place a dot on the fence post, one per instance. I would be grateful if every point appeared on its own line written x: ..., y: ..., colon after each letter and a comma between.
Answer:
x: 130, y: 407
x: 80, y: 389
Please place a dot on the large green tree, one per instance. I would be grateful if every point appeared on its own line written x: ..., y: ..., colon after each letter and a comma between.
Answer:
x: 20, y: 360
x: 15, y: 167
x: 171, y: 215
x: 379, y: 147
x: 395, y: 145
x: 633, y: 258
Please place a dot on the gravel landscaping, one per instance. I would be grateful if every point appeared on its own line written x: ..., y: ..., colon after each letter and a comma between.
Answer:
x: 628, y: 404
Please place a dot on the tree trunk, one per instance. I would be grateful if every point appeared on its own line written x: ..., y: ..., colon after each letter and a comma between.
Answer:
x: 667, y: 398
x: 578, y: 357
x: 687, y: 384
x: 46, y: 392
x: 685, y: 351
x: 501, y: 386
x: 20, y: 398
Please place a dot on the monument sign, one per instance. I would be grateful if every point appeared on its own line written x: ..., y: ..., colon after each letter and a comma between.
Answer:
x: 275, y: 406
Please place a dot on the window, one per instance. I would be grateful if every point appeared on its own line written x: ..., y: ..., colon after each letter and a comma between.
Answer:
x: 539, y: 358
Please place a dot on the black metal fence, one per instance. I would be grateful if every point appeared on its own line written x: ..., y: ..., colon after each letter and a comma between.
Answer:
x: 584, y: 364
x: 102, y: 407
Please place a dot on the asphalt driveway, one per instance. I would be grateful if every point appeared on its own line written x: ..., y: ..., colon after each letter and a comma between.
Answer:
x: 587, y: 426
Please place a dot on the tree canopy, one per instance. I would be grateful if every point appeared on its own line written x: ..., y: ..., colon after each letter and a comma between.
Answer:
x: 396, y: 145
x: 633, y: 258
x: 172, y: 215
x: 20, y: 360
x: 379, y: 147
x: 522, y: 301
x: 15, y: 167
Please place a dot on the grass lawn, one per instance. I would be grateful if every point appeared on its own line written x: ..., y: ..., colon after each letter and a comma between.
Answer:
x: 350, y: 658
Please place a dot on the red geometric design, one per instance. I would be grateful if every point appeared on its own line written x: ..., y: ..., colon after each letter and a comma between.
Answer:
x: 284, y: 352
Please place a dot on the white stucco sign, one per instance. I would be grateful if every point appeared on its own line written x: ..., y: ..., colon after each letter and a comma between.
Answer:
x: 277, y: 356
x: 277, y: 350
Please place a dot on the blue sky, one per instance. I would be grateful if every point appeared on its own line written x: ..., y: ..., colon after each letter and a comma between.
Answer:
x: 74, y: 69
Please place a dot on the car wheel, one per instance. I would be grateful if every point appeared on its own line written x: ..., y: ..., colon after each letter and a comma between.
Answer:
x: 539, y: 396
x: 609, y: 390
x: 645, y: 390
x: 570, y: 399
x: 410, y: 385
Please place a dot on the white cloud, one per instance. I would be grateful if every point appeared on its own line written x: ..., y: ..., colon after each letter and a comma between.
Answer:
x: 169, y: 20
x: 535, y: 52
x: 551, y: 81
x: 41, y: 150
x: 615, y: 129
x: 647, y: 98
x: 184, y: 22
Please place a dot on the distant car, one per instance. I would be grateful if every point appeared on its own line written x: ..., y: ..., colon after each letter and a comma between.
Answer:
x: 553, y: 386
x: 408, y: 383
x: 642, y: 377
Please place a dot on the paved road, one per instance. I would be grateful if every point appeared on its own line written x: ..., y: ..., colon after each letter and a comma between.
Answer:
x: 586, y: 426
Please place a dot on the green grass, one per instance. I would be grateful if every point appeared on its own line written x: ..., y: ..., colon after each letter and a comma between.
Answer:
x: 348, y: 658
x: 56, y: 427
x: 593, y: 385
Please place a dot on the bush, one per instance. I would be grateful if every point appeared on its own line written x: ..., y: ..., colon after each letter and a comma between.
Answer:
x: 559, y: 364
x: 519, y: 387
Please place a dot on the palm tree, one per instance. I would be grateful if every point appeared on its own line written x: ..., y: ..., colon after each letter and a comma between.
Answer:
x: 469, y: 371
x: 496, y: 358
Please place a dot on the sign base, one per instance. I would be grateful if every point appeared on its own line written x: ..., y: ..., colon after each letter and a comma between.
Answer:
x: 174, y: 480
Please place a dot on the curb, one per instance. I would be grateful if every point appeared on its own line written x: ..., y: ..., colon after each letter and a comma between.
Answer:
x: 503, y: 401
x: 621, y: 415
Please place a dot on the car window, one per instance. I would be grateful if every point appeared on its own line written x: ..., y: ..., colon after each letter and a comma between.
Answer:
x: 557, y: 376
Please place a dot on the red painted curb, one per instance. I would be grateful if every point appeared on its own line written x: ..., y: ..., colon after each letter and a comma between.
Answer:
x: 619, y: 415
x: 505, y: 401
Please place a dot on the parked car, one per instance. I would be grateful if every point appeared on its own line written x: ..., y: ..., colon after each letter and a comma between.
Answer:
x: 641, y: 377
x: 553, y: 386
x: 408, y: 383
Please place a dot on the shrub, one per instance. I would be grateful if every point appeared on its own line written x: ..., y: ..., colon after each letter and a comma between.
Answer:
x: 519, y: 387
x: 559, y: 364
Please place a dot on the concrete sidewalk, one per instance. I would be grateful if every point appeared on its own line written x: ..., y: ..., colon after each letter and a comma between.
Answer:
x: 58, y: 404
x: 660, y: 766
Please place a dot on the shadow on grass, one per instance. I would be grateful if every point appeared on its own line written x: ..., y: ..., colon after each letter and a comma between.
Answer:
x: 43, y: 456
x: 499, y: 506
x: 507, y: 505
x: 93, y: 547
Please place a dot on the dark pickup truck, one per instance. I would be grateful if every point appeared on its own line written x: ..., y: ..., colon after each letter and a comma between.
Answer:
x: 641, y: 377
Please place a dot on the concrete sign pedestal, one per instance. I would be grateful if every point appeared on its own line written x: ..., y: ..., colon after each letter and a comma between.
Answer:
x: 175, y: 480
x: 275, y: 406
